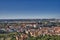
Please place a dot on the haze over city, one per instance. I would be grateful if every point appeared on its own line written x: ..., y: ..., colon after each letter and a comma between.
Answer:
x: 27, y: 9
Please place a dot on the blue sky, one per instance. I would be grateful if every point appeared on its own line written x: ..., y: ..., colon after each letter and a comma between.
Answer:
x: 21, y: 9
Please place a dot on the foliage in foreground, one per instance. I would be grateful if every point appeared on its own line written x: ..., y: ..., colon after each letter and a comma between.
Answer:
x: 46, y: 37
x: 41, y: 37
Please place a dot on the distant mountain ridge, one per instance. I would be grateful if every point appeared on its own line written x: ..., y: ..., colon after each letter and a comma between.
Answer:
x: 37, y: 20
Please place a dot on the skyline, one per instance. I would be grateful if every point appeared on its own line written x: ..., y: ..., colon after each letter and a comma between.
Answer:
x: 29, y: 9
